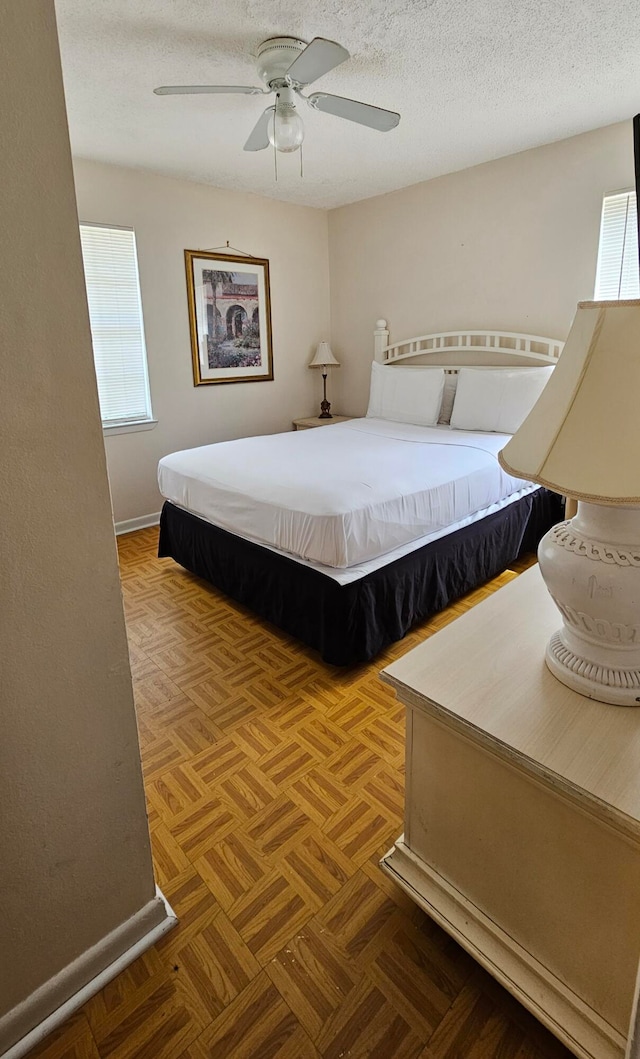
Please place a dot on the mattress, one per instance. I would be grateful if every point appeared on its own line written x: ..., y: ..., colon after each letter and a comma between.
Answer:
x: 360, y: 570
x: 345, y: 495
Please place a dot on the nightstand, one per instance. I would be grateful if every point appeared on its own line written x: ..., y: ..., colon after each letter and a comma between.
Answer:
x: 522, y: 817
x: 316, y: 421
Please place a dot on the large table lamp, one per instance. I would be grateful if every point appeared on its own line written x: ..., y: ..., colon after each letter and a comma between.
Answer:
x: 582, y: 439
x: 324, y: 358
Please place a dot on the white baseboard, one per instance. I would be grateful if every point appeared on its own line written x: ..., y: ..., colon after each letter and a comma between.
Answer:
x: 131, y: 524
x: 22, y: 1028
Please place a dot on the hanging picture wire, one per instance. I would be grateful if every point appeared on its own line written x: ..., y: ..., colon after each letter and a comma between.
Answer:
x: 227, y: 246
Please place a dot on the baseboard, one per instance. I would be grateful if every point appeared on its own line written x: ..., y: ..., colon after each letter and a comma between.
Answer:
x: 131, y: 524
x: 22, y: 1028
x: 578, y: 1026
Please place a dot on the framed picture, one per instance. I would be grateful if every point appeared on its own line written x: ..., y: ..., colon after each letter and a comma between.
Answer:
x: 229, y: 317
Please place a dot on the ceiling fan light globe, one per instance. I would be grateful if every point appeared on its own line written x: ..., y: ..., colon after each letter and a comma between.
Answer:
x: 286, y: 130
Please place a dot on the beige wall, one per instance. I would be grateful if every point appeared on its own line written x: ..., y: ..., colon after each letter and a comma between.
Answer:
x: 510, y: 245
x: 74, y: 846
x: 169, y: 216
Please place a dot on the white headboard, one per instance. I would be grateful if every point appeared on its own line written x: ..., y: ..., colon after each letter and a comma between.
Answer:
x: 457, y: 349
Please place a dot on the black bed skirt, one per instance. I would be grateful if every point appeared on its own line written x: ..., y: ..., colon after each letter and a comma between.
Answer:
x: 353, y: 623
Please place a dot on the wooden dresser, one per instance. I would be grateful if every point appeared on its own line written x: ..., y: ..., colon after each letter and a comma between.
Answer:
x: 522, y: 817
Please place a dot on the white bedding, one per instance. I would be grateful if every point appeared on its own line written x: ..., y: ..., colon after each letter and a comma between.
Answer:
x: 345, y: 494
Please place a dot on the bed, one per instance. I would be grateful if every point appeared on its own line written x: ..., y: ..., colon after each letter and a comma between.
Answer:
x: 347, y: 536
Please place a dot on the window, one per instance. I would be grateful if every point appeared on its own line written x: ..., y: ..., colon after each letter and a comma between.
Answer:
x: 117, y: 329
x: 617, y: 271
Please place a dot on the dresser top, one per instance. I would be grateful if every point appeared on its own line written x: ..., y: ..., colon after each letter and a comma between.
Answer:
x: 485, y: 674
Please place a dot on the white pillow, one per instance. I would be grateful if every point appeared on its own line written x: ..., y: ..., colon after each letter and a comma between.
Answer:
x: 406, y: 395
x: 496, y: 399
x: 448, y: 397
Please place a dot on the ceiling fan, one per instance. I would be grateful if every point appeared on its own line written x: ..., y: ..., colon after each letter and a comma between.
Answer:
x: 287, y: 65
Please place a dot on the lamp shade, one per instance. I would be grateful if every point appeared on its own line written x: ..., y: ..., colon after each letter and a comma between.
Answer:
x: 324, y: 357
x: 582, y: 437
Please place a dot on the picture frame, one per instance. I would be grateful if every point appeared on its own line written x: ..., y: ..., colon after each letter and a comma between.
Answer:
x: 229, y: 317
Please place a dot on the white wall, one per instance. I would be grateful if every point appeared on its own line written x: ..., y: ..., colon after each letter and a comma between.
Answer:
x: 510, y: 245
x: 170, y: 216
x: 75, y: 859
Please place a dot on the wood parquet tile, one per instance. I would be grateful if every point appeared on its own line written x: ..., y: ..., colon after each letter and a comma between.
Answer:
x: 73, y: 1040
x: 274, y: 785
x: 366, y: 1024
x: 313, y: 978
x: 258, y: 1023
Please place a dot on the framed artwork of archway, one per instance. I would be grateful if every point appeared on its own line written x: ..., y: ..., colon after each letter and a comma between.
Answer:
x: 229, y: 317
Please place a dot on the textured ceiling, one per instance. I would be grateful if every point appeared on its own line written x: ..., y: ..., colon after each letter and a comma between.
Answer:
x: 472, y: 79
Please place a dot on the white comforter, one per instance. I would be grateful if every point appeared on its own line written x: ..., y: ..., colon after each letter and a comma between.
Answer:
x: 342, y: 494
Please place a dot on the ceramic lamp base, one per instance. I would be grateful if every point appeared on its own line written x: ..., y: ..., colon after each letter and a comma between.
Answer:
x: 620, y: 687
x: 591, y: 566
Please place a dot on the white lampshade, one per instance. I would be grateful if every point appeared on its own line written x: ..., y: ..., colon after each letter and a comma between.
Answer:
x: 324, y: 357
x: 582, y: 437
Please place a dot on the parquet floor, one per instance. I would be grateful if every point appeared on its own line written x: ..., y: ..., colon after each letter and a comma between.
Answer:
x: 274, y: 785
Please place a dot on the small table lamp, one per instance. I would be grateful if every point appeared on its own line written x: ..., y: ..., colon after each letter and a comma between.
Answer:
x: 324, y: 359
x: 582, y: 438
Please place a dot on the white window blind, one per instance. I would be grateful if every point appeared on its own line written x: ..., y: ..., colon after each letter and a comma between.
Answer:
x: 617, y: 271
x: 117, y: 329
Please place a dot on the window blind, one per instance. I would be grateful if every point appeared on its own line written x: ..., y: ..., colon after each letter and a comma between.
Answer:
x: 117, y: 329
x: 617, y: 270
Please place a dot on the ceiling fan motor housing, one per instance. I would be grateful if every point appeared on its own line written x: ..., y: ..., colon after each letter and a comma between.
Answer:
x: 275, y: 56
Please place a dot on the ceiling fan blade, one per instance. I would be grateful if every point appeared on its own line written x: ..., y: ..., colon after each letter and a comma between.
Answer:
x: 259, y: 137
x: 192, y: 90
x: 317, y: 59
x: 363, y: 113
